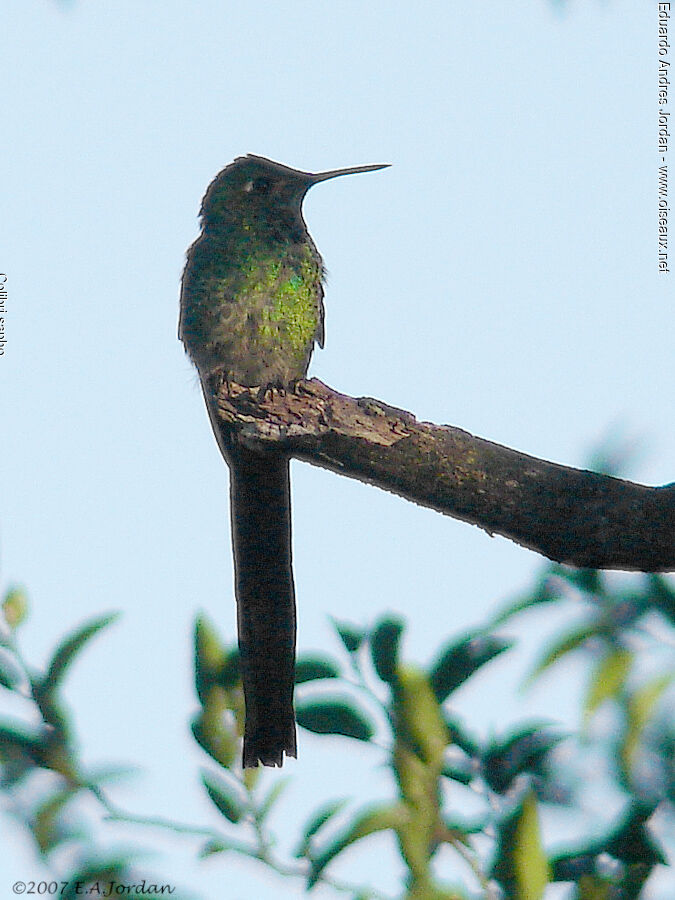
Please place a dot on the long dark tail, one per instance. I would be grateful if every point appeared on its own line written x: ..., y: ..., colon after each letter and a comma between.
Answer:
x: 260, y: 508
x: 260, y: 511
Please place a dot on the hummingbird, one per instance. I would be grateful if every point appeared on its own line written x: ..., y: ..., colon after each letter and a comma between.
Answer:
x: 251, y: 310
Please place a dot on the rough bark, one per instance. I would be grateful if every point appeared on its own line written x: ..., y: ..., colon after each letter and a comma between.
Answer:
x: 569, y: 515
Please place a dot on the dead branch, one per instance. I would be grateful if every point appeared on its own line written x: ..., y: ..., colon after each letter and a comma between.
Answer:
x: 568, y: 515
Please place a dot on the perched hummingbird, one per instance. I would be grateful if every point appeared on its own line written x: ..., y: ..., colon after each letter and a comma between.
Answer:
x: 251, y: 310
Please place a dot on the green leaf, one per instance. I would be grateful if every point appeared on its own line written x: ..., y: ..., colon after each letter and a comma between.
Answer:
x: 10, y: 675
x: 230, y: 672
x: 639, y: 710
x: 102, y: 775
x: 318, y: 820
x: 15, y: 607
x: 521, y: 752
x: 662, y: 595
x: 48, y: 829
x: 47, y: 702
x: 594, y: 887
x: 521, y: 866
x: 460, y: 736
x: 571, y: 641
x: 384, y: 644
x: 273, y: 795
x: 462, y: 771
x: 459, y: 660
x: 20, y: 751
x: 209, y: 656
x: 213, y: 735
x: 544, y: 592
x: 312, y: 668
x: 69, y: 647
x: 223, y: 797
x: 369, y: 821
x: 632, y: 841
x: 460, y: 827
x: 418, y: 718
x: 351, y: 636
x: 14, y: 736
x: 57, y: 755
x: 531, y: 864
x: 588, y: 581
x: 210, y: 848
x: 609, y: 678
x: 574, y: 865
x: 334, y: 717
x: 102, y: 871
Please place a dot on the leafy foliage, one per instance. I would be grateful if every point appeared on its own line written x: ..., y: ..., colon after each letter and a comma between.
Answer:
x: 520, y: 865
x: 461, y: 659
x: 313, y: 668
x: 403, y: 712
x: 43, y: 779
x: 331, y: 716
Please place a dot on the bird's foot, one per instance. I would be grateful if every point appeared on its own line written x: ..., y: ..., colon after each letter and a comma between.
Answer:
x: 219, y: 380
x: 301, y: 386
x: 270, y: 388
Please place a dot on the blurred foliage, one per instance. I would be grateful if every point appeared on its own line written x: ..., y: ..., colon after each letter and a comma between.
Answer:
x: 619, y: 636
x: 43, y: 784
x: 618, y: 630
x: 471, y: 816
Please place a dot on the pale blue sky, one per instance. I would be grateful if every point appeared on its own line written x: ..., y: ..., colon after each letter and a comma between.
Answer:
x: 501, y: 277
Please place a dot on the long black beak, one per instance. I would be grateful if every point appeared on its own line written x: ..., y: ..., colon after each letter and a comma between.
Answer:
x: 354, y: 170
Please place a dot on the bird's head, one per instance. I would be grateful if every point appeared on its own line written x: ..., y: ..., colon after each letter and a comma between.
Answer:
x: 256, y: 187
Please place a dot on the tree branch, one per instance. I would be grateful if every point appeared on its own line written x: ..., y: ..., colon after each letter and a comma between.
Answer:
x: 568, y: 515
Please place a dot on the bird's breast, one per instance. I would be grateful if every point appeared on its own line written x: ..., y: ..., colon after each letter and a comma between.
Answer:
x: 252, y: 310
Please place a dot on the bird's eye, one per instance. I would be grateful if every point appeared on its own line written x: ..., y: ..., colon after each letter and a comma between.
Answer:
x: 261, y: 185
